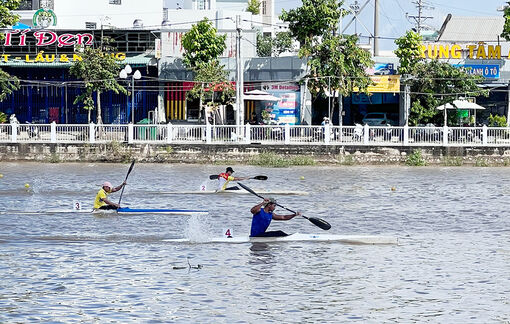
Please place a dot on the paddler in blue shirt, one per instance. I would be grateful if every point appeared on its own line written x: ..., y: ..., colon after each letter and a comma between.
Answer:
x: 225, y: 178
x: 263, y: 213
x: 101, y: 201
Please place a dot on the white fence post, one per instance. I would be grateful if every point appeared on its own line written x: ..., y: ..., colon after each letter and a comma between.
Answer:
x: 287, y: 134
x: 247, y: 133
x: 92, y: 135
x: 327, y: 134
x: 366, y: 131
x: 445, y: 135
x: 131, y: 133
x: 14, y: 132
x: 484, y: 135
x: 208, y: 133
x: 53, y: 133
x: 406, y: 135
x: 169, y: 132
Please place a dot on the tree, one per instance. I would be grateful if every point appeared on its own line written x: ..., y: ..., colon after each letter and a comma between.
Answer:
x: 333, y: 61
x: 506, y: 27
x: 99, y: 70
x: 409, y: 51
x: 432, y: 83
x: 253, y: 7
x: 274, y: 46
x: 8, y: 83
x: 202, y: 44
x: 202, y: 47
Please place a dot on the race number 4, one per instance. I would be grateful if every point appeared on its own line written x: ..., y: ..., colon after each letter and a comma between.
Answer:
x: 228, y: 233
x: 76, y: 205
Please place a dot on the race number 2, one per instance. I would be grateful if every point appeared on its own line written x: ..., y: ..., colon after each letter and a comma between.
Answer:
x: 228, y: 233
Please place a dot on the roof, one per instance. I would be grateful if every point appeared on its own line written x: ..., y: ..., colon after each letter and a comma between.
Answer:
x: 471, y: 29
x: 19, y: 61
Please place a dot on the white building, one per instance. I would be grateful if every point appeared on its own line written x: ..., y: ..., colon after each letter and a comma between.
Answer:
x: 91, y: 14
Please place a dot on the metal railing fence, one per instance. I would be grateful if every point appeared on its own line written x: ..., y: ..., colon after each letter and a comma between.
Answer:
x: 250, y: 134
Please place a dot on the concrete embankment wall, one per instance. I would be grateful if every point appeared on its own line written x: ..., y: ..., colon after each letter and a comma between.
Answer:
x: 218, y: 154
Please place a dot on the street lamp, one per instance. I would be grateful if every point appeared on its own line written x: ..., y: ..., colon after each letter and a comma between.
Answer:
x: 124, y: 73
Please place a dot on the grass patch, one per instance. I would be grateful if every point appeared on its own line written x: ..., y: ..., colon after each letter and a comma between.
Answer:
x: 274, y: 160
x: 54, y: 158
x: 346, y: 159
x: 453, y: 161
x: 416, y: 159
x: 482, y: 162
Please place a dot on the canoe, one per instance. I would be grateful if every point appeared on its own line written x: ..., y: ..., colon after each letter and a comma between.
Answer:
x: 234, y: 192
x: 121, y: 211
x: 299, y: 237
x: 152, y: 211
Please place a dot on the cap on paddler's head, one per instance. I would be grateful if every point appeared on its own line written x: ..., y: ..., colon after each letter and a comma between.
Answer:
x: 107, y: 184
x: 271, y: 201
x: 230, y: 169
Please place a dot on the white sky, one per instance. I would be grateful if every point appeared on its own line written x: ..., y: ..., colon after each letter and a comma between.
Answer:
x: 392, y: 14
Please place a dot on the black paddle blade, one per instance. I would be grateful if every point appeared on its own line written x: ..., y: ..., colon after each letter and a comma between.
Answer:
x: 213, y: 176
x: 249, y: 190
x: 260, y: 177
x: 130, y: 168
x: 319, y: 223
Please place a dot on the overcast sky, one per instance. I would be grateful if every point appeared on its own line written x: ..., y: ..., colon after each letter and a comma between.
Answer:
x: 392, y: 14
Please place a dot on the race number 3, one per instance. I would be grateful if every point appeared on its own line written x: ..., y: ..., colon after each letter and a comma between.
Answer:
x: 76, y: 205
x: 228, y: 233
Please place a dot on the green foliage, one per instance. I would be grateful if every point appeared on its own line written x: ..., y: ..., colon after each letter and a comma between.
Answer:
x: 497, y: 121
x: 453, y: 161
x: 211, y: 83
x: 429, y: 78
x: 202, y: 45
x: 408, y: 52
x: 7, y: 18
x: 415, y: 159
x: 268, y: 46
x: 8, y: 83
x: 99, y: 70
x: 432, y: 78
x: 253, y: 7
x: 270, y: 159
x: 333, y: 60
x: 3, y: 117
x: 481, y: 162
x: 506, y: 27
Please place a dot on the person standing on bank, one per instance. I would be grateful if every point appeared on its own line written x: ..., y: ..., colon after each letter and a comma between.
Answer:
x: 263, y: 213
x: 101, y: 201
x: 225, y: 178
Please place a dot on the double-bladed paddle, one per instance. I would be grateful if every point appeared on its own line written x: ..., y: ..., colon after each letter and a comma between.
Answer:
x: 259, y: 177
x: 314, y: 220
x: 127, y: 175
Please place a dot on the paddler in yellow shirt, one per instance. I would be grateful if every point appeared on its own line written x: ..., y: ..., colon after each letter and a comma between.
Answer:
x: 101, y: 201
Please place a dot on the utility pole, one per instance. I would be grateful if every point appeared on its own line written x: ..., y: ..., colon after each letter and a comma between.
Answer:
x: 420, y: 18
x: 376, y: 27
x: 239, y: 78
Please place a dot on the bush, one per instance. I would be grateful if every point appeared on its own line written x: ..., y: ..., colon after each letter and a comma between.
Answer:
x: 497, y: 121
x: 3, y: 118
x: 415, y: 159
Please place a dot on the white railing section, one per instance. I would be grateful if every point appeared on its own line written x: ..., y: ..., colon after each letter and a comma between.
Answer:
x: 255, y: 134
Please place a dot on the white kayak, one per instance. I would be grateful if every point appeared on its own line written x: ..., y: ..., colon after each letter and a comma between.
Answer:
x: 234, y: 192
x: 298, y: 237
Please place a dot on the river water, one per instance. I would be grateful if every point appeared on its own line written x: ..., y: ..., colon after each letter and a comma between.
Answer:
x: 451, y: 264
